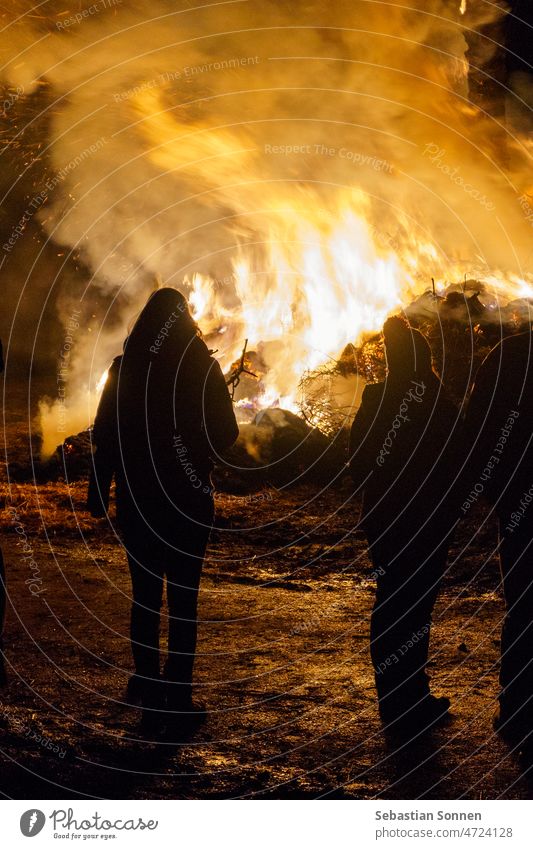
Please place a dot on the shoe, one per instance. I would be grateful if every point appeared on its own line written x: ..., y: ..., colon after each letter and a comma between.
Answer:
x: 418, y: 720
x: 152, y: 698
x: 182, y: 720
x: 437, y: 705
x: 526, y: 755
x: 194, y: 710
x: 134, y: 689
x: 151, y: 726
x: 509, y: 728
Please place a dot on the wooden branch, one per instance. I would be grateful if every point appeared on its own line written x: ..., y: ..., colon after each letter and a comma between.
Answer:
x: 235, y: 375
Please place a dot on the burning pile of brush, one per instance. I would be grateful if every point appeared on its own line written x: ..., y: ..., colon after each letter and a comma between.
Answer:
x: 280, y: 447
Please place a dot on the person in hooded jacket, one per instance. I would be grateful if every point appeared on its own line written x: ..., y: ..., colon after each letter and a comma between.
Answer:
x: 401, y: 448
x: 3, y: 676
x: 164, y: 415
x: 499, y: 442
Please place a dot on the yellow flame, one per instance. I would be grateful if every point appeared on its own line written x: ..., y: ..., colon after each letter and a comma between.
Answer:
x: 321, y: 276
x: 323, y: 284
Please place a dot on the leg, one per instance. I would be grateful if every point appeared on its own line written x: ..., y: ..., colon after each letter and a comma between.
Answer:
x: 407, y: 587
x: 2, y: 599
x: 2, y: 615
x: 146, y: 569
x: 183, y: 581
x: 516, y: 673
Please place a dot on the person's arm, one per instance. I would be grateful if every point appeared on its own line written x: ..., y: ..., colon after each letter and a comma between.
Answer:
x: 479, y: 402
x: 478, y: 425
x: 100, y: 479
x: 220, y: 424
x: 105, y: 439
x: 363, y: 442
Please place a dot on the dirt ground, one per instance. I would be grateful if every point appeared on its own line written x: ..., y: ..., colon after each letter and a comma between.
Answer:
x: 283, y: 662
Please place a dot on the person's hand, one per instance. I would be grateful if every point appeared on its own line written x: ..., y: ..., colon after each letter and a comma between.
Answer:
x: 96, y: 509
x: 98, y: 514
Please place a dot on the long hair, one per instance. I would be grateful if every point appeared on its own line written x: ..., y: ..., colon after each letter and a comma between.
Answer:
x: 162, y: 331
x: 408, y: 351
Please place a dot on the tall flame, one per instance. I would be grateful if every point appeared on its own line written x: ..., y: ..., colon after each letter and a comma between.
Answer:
x: 321, y: 275
x: 300, y: 170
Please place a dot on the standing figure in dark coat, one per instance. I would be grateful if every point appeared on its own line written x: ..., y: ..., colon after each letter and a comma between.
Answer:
x: 165, y: 412
x: 499, y: 429
x: 3, y: 677
x: 400, y: 455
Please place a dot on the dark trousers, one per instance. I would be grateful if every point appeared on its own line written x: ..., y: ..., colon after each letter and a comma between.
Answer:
x: 2, y: 601
x: 407, y: 587
x: 151, y: 560
x: 516, y: 672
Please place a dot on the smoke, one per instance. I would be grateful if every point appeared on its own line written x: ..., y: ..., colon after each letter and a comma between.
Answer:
x: 218, y: 140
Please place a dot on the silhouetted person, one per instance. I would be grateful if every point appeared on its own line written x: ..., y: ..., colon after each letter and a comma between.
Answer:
x: 499, y: 429
x: 401, y: 455
x: 3, y: 678
x: 165, y: 412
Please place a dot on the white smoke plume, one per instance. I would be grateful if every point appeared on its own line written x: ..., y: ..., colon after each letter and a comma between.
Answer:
x: 264, y: 145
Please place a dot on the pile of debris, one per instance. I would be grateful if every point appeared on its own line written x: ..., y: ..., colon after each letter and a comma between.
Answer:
x: 280, y: 448
x: 462, y: 325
